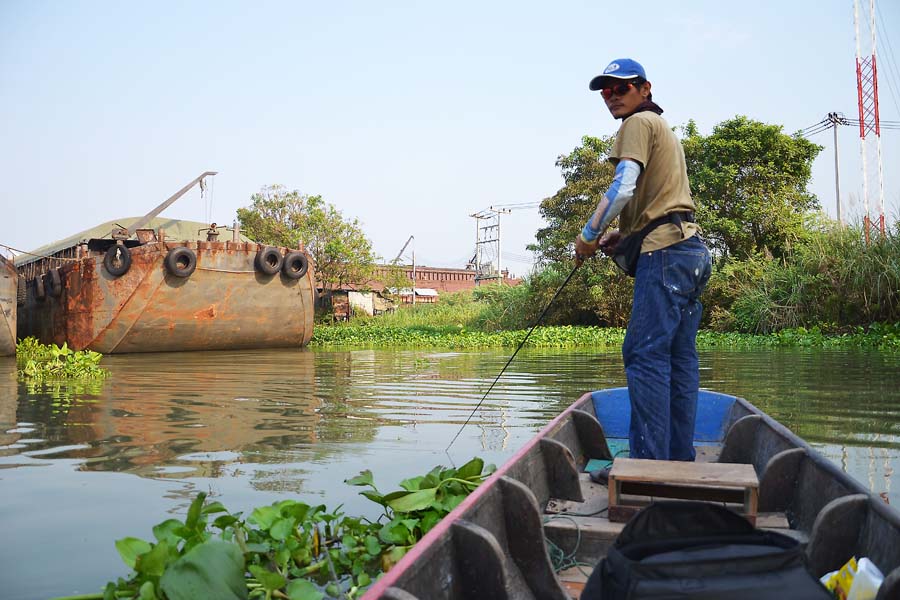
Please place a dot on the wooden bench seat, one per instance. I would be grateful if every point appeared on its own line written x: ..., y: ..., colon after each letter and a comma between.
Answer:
x: 715, y: 482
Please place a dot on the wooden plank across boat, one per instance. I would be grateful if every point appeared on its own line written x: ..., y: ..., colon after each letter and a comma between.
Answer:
x: 708, y: 481
x: 139, y: 289
x: 494, y: 544
x: 9, y: 285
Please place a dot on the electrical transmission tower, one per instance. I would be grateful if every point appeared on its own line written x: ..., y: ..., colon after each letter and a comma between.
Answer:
x: 488, y: 264
x: 869, y: 125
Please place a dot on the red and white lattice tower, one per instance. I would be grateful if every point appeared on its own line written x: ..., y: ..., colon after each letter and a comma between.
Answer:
x: 869, y: 125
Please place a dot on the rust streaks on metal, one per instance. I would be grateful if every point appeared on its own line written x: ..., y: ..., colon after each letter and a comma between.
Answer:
x: 9, y: 294
x: 223, y: 304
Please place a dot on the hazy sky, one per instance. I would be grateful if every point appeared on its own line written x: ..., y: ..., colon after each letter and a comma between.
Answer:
x: 409, y: 116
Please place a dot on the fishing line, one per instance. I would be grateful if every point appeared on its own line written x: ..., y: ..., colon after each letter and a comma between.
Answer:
x: 522, y: 343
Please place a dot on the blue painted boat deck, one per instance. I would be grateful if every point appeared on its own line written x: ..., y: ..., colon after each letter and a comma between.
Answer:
x: 613, y: 410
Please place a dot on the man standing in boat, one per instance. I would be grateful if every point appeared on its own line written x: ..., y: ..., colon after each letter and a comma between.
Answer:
x: 657, y: 243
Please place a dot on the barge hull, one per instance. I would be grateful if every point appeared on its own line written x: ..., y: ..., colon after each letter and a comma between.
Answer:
x: 9, y: 281
x: 224, y: 304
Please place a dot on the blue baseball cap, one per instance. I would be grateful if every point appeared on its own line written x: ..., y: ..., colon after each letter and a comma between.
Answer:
x: 621, y: 68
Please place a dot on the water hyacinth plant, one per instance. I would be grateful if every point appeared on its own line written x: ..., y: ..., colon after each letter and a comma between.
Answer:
x: 48, y: 362
x: 288, y: 550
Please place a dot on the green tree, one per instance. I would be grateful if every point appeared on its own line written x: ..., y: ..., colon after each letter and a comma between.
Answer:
x: 598, y: 293
x: 339, y: 248
x: 587, y: 174
x: 394, y: 279
x: 749, y: 182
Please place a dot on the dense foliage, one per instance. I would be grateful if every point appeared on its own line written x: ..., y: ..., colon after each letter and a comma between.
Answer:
x: 339, y: 248
x: 587, y: 174
x: 458, y: 337
x: 779, y: 263
x: 749, y: 182
x: 38, y: 362
x: 598, y: 294
x: 834, y: 279
x: 289, y: 549
x: 875, y: 336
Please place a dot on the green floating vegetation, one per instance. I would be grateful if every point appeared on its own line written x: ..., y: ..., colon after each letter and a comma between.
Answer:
x: 289, y: 549
x: 459, y: 337
x: 37, y: 362
x: 876, y: 336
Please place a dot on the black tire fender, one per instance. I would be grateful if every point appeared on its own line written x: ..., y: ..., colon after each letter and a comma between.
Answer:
x: 117, y: 260
x: 53, y: 283
x: 180, y: 261
x: 269, y: 260
x: 295, y: 265
x: 39, y: 292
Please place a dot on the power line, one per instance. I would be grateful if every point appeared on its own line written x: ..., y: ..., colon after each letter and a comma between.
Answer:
x: 839, y: 119
x: 515, y: 205
x: 822, y: 122
x: 882, y: 124
x: 518, y: 257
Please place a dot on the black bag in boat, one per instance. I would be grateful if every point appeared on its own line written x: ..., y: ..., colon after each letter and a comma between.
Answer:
x: 673, y: 550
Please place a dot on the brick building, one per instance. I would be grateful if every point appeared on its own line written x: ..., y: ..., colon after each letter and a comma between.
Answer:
x: 437, y: 278
x: 429, y: 284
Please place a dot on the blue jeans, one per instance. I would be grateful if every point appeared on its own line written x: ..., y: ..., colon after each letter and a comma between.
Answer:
x: 660, y: 350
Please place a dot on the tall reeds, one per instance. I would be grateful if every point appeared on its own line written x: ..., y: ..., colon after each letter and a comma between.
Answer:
x: 836, y: 279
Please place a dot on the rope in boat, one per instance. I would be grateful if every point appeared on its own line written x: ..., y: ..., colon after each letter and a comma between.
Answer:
x: 522, y: 343
x: 559, y: 558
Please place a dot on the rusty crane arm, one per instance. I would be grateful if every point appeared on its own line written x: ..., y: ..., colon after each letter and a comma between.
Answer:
x: 399, y: 254
x: 124, y: 234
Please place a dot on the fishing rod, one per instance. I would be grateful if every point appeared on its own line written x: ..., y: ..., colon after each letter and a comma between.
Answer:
x: 578, y: 262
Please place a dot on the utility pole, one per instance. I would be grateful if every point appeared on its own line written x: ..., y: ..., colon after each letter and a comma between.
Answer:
x: 835, y: 120
x: 499, y: 246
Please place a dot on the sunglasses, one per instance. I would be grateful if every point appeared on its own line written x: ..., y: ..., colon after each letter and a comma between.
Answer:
x: 619, y: 89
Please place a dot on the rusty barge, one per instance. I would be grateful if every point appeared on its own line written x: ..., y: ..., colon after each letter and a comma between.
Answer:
x: 139, y: 288
x: 9, y: 281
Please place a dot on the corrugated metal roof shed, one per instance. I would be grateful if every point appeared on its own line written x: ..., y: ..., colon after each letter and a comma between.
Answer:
x: 176, y: 230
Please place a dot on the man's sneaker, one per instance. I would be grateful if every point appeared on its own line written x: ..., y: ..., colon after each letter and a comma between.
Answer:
x: 601, y: 476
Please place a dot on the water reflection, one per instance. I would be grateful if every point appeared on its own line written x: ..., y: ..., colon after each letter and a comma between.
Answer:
x: 90, y: 464
x: 182, y: 409
x: 192, y: 414
x: 9, y: 431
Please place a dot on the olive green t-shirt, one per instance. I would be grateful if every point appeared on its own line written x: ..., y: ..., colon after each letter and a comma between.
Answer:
x: 662, y: 186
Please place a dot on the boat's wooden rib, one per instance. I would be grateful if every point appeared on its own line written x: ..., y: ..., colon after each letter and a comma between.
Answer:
x: 493, y: 545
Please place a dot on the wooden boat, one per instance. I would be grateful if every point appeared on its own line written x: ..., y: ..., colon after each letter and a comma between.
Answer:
x: 494, y: 544
x: 9, y: 284
x: 136, y: 289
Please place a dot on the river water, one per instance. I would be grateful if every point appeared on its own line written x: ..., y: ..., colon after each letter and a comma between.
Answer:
x: 83, y: 466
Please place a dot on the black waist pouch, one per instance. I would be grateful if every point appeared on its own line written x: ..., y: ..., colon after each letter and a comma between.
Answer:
x: 627, y: 253
x: 628, y: 250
